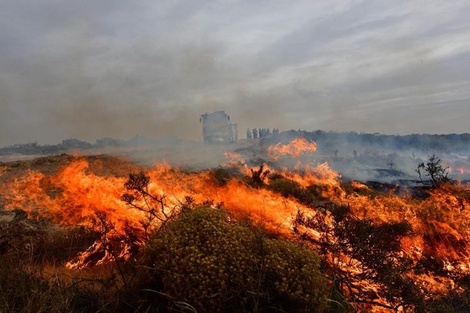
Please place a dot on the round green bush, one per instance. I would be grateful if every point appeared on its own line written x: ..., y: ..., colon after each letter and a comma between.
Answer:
x: 216, y: 265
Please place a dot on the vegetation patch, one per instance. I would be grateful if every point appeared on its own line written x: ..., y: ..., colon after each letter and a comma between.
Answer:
x: 215, y: 265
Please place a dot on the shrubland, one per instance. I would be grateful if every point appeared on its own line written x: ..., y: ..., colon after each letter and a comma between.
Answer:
x: 202, y: 260
x: 347, y: 248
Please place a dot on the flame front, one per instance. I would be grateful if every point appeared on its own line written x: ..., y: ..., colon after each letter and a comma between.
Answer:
x: 295, y: 148
x: 76, y: 196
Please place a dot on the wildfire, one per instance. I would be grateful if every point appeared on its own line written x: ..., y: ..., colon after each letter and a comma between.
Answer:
x: 75, y: 196
x: 3, y: 170
x: 295, y: 148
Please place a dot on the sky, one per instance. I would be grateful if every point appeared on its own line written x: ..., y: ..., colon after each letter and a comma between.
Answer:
x: 90, y: 69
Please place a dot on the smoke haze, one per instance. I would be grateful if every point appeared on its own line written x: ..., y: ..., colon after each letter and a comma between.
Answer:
x: 88, y: 69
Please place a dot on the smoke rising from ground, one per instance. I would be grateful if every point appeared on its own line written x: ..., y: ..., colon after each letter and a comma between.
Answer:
x: 361, y: 157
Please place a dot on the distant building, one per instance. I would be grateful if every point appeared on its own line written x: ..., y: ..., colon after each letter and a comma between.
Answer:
x: 216, y: 128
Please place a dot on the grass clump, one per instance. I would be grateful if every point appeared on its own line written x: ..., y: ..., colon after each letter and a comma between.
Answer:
x: 215, y: 265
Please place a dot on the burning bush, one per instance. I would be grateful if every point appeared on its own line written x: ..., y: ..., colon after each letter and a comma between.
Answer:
x: 287, y: 187
x: 374, y: 251
x: 222, y: 176
x: 258, y: 177
x: 217, y: 265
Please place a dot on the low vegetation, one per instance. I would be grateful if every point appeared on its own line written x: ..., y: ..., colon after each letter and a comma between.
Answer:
x: 216, y: 265
x: 199, y: 261
x: 339, y: 258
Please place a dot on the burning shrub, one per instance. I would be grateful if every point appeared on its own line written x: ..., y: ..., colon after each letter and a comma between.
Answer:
x: 258, y: 177
x: 374, y: 250
x: 217, y: 265
x: 287, y: 187
x: 222, y: 176
x: 139, y: 197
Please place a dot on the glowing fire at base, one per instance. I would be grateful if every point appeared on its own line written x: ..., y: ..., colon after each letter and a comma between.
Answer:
x: 75, y: 196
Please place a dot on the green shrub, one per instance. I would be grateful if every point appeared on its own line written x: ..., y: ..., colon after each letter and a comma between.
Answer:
x: 287, y: 187
x: 215, y: 265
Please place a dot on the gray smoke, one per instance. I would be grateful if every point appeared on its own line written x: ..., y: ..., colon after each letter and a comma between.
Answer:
x: 89, y: 70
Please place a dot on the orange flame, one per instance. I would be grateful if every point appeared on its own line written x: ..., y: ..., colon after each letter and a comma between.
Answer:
x: 295, y: 148
x: 76, y: 195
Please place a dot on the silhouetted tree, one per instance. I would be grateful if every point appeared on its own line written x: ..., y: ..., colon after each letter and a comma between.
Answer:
x: 258, y: 176
x: 437, y: 173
